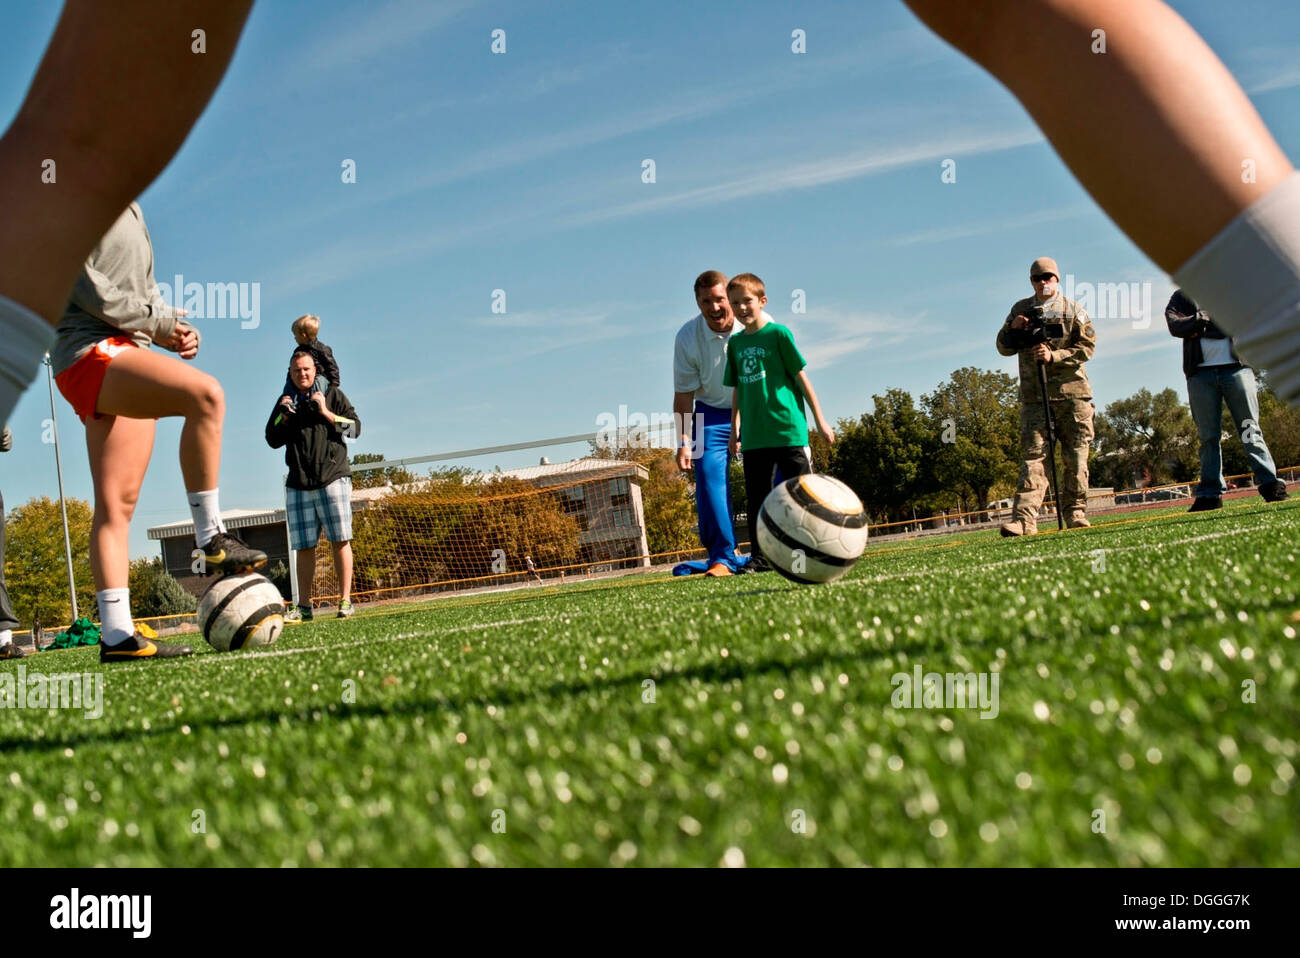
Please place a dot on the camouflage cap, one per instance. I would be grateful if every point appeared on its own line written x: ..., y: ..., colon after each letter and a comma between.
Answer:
x: 1044, y: 264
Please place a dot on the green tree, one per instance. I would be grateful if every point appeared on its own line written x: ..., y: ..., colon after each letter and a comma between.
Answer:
x: 519, y: 519
x: 1281, y: 426
x: 154, y: 592
x: 976, y: 414
x: 883, y: 455
x: 736, y: 480
x: 395, y: 475
x: 1146, y: 437
x: 36, y: 570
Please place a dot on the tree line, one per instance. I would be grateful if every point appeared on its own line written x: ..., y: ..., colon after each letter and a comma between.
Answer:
x: 956, y: 449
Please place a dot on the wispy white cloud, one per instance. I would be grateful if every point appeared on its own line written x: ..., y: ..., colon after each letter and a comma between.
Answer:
x: 364, y: 33
x: 1267, y: 67
x: 784, y: 176
x: 943, y: 234
x: 1283, y: 79
x: 829, y: 334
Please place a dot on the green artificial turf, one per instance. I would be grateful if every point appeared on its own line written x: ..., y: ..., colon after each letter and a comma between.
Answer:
x: 659, y: 721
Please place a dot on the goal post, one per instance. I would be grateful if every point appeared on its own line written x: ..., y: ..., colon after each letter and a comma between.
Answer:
x: 458, y: 527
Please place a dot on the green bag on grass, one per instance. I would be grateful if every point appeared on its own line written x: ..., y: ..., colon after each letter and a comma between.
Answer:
x: 81, y: 632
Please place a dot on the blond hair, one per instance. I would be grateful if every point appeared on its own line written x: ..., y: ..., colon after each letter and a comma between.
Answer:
x: 748, y: 282
x: 306, y: 325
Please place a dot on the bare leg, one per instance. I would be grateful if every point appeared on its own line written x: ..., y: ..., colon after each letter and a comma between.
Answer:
x: 343, y: 567
x: 1155, y: 128
x: 113, y: 99
x: 119, y: 451
x: 146, y: 385
x: 306, y: 563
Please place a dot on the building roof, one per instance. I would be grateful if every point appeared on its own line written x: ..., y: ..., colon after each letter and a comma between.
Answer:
x: 233, y: 518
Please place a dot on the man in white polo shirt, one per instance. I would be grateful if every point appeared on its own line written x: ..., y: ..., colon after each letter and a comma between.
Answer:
x: 702, y: 408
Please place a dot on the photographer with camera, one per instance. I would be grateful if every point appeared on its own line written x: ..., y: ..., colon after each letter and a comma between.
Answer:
x: 311, y: 426
x: 1053, y: 337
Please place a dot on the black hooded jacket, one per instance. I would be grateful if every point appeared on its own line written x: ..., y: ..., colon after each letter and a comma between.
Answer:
x: 314, y: 449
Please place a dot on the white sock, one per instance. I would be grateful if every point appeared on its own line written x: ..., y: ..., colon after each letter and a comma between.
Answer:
x: 6, y: 637
x: 26, y: 337
x: 115, y: 623
x: 207, y: 516
x: 1248, y: 279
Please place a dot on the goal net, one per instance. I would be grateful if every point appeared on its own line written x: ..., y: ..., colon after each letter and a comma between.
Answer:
x: 456, y: 528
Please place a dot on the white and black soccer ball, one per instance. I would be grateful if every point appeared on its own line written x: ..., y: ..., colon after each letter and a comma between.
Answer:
x: 812, y: 529
x: 241, y: 611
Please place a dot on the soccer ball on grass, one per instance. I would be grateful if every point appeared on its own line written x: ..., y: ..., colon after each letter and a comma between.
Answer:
x: 812, y: 529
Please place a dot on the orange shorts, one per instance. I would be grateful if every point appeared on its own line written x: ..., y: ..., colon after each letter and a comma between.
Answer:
x: 80, y: 383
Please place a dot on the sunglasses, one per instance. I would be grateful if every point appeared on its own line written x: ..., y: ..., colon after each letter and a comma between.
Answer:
x: 1042, y: 277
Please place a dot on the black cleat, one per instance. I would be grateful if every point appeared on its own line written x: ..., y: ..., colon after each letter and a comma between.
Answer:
x: 1274, y: 491
x: 13, y: 651
x: 139, y: 647
x: 1206, y: 503
x: 226, y: 553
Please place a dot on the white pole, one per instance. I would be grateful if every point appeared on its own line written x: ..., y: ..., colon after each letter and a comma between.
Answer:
x: 63, y: 506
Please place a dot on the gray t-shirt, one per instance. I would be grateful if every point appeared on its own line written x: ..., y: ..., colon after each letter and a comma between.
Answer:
x: 115, y: 295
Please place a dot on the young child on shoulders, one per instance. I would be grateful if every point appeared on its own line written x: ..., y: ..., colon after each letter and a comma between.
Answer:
x: 306, y: 328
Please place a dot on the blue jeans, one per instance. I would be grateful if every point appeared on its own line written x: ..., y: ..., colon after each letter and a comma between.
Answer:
x: 1207, y: 391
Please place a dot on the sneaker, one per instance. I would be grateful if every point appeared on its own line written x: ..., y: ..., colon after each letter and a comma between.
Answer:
x: 13, y: 651
x: 139, y: 647
x: 1274, y: 491
x: 1206, y: 503
x: 299, y: 613
x: 225, y: 553
x: 758, y: 564
x: 718, y: 570
x: 346, y: 609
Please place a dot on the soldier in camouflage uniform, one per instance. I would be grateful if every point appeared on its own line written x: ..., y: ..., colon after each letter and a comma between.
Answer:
x: 1069, y: 395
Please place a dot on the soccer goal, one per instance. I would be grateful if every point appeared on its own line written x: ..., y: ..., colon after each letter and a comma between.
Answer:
x: 436, y: 523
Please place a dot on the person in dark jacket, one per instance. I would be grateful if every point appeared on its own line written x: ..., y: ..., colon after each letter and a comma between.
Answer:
x: 1214, y: 376
x: 312, y: 426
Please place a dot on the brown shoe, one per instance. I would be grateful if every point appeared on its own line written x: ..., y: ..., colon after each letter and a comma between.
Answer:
x: 1017, y: 528
x: 718, y: 570
x: 13, y: 651
x: 1078, y: 522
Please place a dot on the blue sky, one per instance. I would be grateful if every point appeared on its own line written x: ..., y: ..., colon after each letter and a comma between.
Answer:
x: 522, y: 171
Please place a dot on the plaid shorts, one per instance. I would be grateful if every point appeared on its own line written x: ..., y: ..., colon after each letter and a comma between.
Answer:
x: 308, y: 509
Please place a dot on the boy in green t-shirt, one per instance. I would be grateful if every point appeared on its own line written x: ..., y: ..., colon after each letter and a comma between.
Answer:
x: 765, y: 369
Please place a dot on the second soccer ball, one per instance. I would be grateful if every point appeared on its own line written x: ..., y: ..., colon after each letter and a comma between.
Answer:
x: 241, y: 611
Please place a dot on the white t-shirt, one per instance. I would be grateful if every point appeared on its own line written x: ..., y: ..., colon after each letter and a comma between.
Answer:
x: 1216, y: 352
x: 700, y: 362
